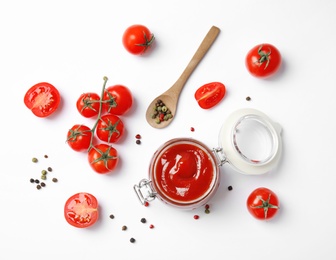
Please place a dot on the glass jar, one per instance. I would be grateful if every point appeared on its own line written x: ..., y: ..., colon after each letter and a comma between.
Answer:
x: 184, y: 172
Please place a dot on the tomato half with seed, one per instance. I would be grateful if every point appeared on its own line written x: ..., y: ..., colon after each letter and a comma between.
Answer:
x: 117, y: 100
x: 110, y: 128
x: 103, y: 158
x: 263, y: 204
x: 79, y: 137
x: 263, y: 60
x: 210, y: 94
x: 42, y: 99
x: 137, y: 39
x: 81, y: 210
x: 88, y: 104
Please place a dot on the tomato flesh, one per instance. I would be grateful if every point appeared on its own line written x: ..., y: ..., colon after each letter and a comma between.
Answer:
x: 263, y: 204
x: 81, y: 210
x: 263, y: 60
x: 210, y: 94
x: 42, y: 99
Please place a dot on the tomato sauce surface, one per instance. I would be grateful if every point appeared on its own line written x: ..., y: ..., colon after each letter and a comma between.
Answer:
x: 184, y: 173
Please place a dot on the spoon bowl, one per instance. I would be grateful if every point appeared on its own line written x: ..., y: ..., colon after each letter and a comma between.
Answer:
x: 171, y: 96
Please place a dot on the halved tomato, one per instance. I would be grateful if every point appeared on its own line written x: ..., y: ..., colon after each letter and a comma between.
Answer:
x: 42, y: 99
x: 81, y: 210
x: 210, y: 94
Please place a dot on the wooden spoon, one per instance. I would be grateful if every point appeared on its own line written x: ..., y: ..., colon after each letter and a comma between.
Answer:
x: 171, y: 96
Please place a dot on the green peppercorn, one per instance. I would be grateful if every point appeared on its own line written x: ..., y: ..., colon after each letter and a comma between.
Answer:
x: 43, y: 177
x: 34, y: 160
x: 44, y: 172
x: 164, y: 109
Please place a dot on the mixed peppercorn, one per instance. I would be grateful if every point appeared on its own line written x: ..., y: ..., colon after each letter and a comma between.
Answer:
x: 161, y: 112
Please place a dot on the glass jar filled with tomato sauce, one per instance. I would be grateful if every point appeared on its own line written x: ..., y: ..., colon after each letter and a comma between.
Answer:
x: 185, y: 173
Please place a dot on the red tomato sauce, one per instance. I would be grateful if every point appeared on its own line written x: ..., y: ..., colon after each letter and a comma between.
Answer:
x: 184, y: 173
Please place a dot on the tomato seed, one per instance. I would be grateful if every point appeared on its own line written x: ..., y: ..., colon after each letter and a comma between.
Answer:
x: 196, y: 217
x: 230, y: 188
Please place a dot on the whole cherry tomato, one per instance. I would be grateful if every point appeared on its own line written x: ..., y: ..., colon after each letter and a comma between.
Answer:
x: 210, y: 94
x: 117, y: 99
x: 81, y: 210
x: 263, y: 203
x: 103, y: 158
x: 42, y: 99
x: 110, y: 128
x: 263, y: 60
x: 79, y: 137
x: 88, y: 104
x: 137, y: 39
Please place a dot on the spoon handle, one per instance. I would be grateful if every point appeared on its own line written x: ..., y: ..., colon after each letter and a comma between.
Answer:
x: 198, y: 56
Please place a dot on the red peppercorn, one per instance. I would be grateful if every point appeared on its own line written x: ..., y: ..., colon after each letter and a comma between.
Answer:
x: 138, y: 136
x: 196, y: 217
x: 192, y: 129
x: 207, y: 206
x: 151, y: 226
x: 146, y: 204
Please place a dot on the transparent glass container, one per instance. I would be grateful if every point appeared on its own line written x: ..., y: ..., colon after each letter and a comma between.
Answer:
x: 184, y: 172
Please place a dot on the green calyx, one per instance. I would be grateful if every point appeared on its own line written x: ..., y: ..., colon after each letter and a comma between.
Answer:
x: 148, y: 42
x: 263, y: 57
x: 265, y: 204
x: 104, y: 156
x: 74, y: 133
x: 111, y: 128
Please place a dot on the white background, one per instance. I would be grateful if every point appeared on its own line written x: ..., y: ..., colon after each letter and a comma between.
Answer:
x: 73, y: 44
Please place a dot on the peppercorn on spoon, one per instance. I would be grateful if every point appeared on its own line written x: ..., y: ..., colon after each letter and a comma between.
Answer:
x: 169, y: 98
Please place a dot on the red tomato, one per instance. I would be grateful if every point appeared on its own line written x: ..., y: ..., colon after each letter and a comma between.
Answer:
x: 263, y: 203
x: 210, y: 94
x: 103, y: 158
x: 110, y: 128
x: 118, y: 100
x: 81, y: 210
x: 79, y: 137
x: 263, y: 60
x: 88, y: 104
x: 137, y: 39
x: 42, y: 99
